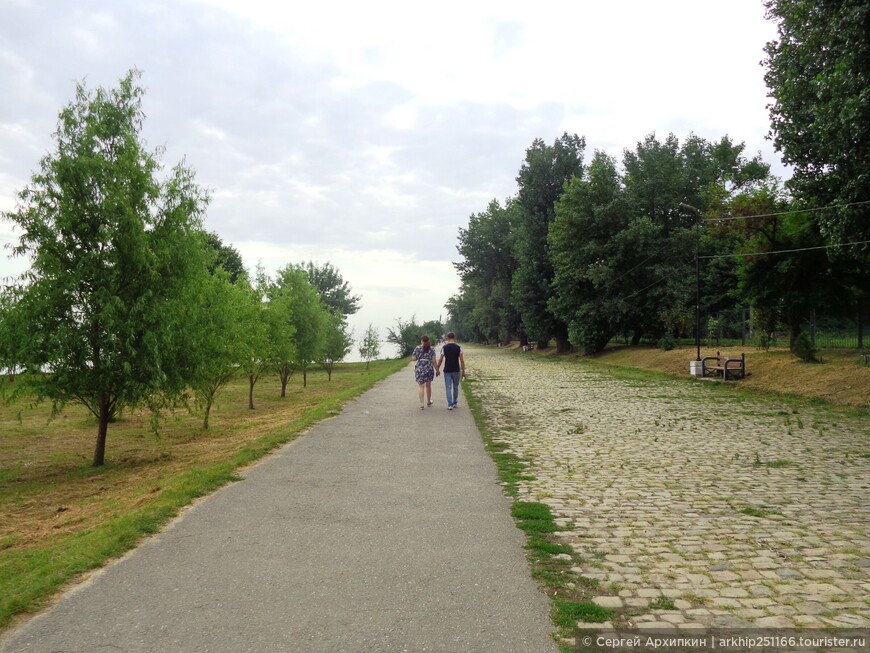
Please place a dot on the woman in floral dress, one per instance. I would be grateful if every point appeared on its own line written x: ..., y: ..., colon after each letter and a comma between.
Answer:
x: 424, y: 370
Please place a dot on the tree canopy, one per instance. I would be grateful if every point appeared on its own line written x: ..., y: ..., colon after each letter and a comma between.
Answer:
x: 620, y: 254
x: 589, y: 266
x: 112, y: 248
x: 308, y: 316
x: 334, y: 291
x: 818, y: 75
x: 541, y: 179
x: 225, y: 257
x: 369, y: 346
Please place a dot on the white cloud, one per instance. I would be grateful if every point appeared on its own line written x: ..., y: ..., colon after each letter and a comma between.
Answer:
x: 393, y: 285
x: 365, y: 134
x: 402, y: 117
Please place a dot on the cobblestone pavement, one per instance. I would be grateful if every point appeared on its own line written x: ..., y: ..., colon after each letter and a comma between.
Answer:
x: 693, y: 508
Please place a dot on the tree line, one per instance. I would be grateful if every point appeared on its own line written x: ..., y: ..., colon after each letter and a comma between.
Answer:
x: 129, y: 301
x: 589, y: 250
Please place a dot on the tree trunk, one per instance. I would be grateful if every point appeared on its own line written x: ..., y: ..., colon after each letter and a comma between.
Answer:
x: 102, y: 431
x: 860, y: 324
x: 251, y: 381
x: 635, y: 337
x: 304, y: 377
x: 207, y: 411
x: 562, y: 345
x: 284, y: 373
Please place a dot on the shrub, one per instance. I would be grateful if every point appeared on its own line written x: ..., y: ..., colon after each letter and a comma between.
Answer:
x: 764, y: 322
x: 668, y: 342
x: 804, y: 348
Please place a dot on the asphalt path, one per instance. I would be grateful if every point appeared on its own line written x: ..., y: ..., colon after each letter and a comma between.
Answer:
x: 381, y: 529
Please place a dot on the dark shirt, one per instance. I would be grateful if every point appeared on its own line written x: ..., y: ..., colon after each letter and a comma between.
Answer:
x: 451, y: 352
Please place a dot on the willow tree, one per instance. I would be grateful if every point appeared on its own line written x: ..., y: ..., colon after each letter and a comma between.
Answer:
x: 112, y: 248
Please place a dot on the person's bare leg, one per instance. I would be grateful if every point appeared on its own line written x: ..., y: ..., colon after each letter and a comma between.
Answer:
x: 420, y: 392
x: 429, y: 392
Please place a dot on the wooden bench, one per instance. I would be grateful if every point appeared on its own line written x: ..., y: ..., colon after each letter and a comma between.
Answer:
x: 724, y: 366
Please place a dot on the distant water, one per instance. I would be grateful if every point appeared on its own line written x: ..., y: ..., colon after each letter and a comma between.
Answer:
x: 388, y: 350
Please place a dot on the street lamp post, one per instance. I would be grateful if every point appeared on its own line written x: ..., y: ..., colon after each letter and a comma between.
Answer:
x: 691, y: 208
x: 698, y: 294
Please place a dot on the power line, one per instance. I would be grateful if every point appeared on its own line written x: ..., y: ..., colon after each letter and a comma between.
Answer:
x: 780, y: 251
x: 665, y: 276
x: 644, y: 289
x: 634, y: 268
x: 787, y: 251
x: 773, y: 215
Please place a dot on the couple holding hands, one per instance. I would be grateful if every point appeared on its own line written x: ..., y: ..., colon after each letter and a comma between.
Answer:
x: 427, y: 368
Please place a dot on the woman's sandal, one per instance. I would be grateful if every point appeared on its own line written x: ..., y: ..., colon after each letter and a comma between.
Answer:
x: 430, y: 403
x: 421, y: 407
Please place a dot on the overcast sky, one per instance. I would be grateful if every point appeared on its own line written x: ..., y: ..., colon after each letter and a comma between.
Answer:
x: 366, y: 134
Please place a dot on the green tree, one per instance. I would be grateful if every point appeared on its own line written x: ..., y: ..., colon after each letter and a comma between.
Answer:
x: 259, y: 355
x: 308, y: 318
x: 541, y: 180
x: 586, y: 248
x: 406, y: 336
x: 460, y: 310
x: 225, y: 257
x: 335, y: 294
x: 10, y: 357
x: 282, y: 337
x: 369, y: 346
x: 788, y: 284
x: 337, y: 343
x: 818, y: 73
x: 680, y: 189
x: 280, y: 331
x: 112, y: 249
x: 434, y: 329
x: 222, y: 336
x: 487, y: 269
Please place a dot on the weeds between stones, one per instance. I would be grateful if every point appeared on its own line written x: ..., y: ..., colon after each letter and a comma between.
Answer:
x: 552, y: 562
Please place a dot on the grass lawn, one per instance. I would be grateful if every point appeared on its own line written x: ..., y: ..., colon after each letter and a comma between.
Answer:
x: 60, y: 517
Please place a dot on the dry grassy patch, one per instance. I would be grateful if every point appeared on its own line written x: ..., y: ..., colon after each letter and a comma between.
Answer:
x: 838, y: 378
x: 48, y: 487
x: 51, y: 496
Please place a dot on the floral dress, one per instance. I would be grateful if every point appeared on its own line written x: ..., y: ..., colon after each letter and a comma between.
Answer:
x: 424, y: 370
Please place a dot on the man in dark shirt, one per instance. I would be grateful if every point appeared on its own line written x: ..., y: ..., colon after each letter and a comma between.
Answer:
x: 454, y: 364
